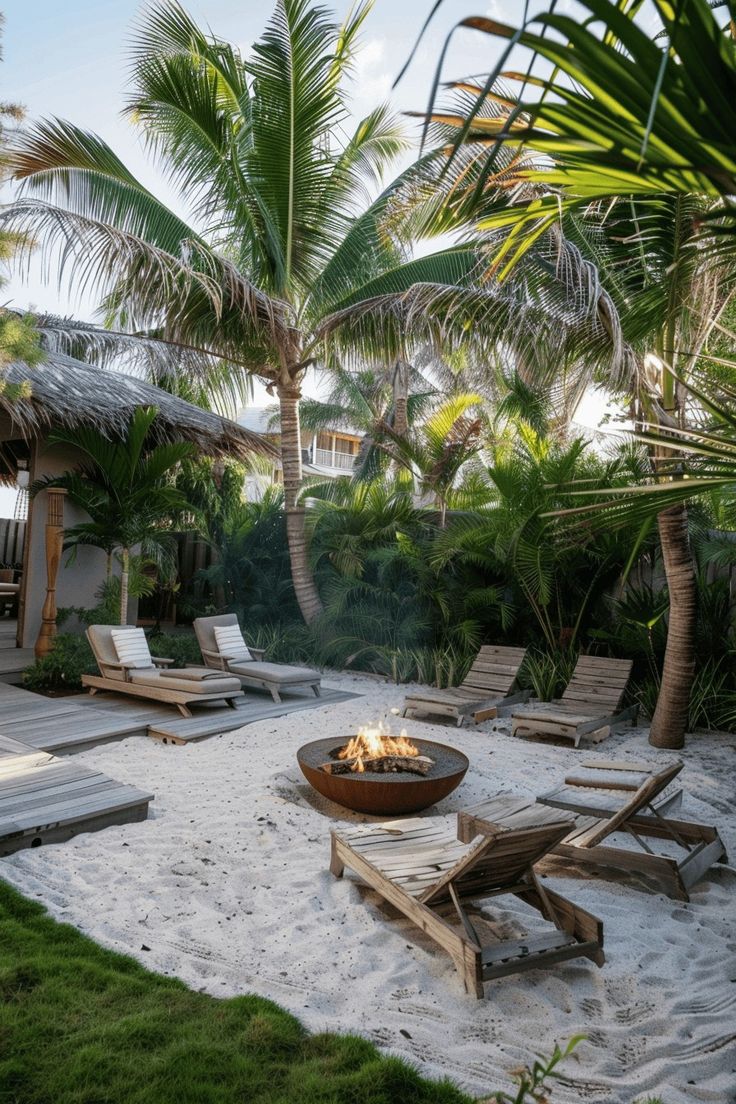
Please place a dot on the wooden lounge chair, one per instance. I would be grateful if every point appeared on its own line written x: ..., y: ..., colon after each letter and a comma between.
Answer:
x: 159, y: 682
x: 485, y: 689
x: 251, y: 669
x: 634, y: 798
x: 419, y: 867
x: 590, y: 705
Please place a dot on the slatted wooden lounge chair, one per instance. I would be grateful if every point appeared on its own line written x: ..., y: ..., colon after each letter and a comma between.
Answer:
x: 627, y: 797
x: 420, y: 868
x: 159, y: 681
x: 590, y: 706
x: 486, y: 689
x: 247, y: 663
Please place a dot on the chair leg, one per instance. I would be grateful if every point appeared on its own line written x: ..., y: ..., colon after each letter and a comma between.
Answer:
x: 184, y: 709
x: 337, y: 866
x: 275, y: 694
x: 231, y: 703
x: 316, y: 688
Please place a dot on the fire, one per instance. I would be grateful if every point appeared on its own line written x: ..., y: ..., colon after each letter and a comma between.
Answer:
x: 374, y: 741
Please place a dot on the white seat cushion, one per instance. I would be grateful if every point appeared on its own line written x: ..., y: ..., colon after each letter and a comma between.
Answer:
x: 230, y: 643
x: 131, y: 647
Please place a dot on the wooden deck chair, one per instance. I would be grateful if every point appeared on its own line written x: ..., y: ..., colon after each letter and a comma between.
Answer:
x: 636, y: 798
x: 590, y: 706
x: 153, y: 678
x: 485, y: 690
x: 421, y: 869
x: 247, y: 663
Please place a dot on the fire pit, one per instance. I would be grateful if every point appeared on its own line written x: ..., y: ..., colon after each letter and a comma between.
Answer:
x: 376, y: 772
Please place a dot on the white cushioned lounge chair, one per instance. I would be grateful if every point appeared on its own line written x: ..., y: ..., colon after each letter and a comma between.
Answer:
x: 232, y: 655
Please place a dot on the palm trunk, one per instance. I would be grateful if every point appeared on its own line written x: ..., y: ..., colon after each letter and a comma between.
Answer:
x: 124, y: 575
x: 291, y: 462
x: 670, y: 717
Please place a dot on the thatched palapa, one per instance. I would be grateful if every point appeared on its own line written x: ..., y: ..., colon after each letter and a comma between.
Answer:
x: 66, y: 392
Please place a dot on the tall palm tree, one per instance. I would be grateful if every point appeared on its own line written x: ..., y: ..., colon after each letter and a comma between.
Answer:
x: 126, y: 488
x: 622, y: 119
x: 281, y: 235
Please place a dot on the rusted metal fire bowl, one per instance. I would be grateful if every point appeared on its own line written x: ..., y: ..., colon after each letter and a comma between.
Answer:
x: 382, y: 794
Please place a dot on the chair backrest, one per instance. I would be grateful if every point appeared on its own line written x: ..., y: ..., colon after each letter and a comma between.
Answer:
x: 640, y: 798
x: 598, y: 684
x: 494, y: 670
x: 204, y: 629
x: 103, y: 647
x: 500, y: 859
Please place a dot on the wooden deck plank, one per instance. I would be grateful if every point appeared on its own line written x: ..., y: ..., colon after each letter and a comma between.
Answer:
x: 251, y: 708
x: 44, y: 799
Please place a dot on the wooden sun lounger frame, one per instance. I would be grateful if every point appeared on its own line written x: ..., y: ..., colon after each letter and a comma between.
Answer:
x: 590, y: 706
x: 577, y: 932
x: 219, y: 661
x: 487, y: 689
x: 162, y: 694
x: 642, y: 815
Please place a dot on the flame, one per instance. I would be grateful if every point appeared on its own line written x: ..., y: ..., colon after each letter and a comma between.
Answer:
x: 375, y: 740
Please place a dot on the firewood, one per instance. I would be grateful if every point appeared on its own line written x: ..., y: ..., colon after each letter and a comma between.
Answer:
x: 383, y: 764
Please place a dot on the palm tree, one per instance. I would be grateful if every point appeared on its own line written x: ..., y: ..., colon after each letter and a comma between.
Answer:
x: 281, y: 236
x: 126, y: 488
x: 619, y: 114
x: 666, y: 284
x: 438, y: 448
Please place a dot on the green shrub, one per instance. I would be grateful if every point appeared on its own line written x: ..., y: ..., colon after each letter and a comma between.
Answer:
x: 62, y: 669
x: 547, y: 673
x: 181, y: 647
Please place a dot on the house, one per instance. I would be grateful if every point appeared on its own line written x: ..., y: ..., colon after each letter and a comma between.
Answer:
x: 327, y: 453
x: 64, y: 392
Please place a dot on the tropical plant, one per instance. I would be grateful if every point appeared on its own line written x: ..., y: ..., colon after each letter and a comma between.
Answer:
x: 250, y: 572
x: 125, y: 486
x: 365, y: 400
x: 287, y: 239
x: 666, y: 286
x: 624, y: 111
x: 556, y: 575
x: 19, y: 340
x: 434, y: 454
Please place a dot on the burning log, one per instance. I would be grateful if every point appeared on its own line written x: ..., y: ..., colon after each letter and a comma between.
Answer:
x: 381, y: 764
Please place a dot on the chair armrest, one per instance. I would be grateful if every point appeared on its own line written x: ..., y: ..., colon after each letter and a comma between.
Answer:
x: 159, y: 661
x: 214, y: 659
x: 257, y: 653
x: 105, y: 667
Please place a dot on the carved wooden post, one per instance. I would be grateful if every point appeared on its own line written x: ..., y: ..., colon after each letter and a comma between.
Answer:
x: 54, y: 542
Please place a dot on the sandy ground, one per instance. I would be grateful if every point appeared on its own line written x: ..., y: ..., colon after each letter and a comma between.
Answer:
x: 226, y: 885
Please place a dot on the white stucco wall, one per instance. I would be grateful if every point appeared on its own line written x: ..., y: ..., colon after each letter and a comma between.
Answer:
x: 77, y: 581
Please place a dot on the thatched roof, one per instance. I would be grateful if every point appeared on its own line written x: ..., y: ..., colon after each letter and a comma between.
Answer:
x: 67, y: 393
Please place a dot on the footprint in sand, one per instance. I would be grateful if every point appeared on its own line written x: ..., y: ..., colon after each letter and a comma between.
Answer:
x: 635, y: 1013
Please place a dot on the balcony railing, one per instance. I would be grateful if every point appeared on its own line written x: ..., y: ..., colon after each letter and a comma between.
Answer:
x: 325, y: 458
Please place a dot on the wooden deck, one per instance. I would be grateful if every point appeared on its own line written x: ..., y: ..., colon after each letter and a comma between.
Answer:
x: 65, y: 725
x: 45, y: 799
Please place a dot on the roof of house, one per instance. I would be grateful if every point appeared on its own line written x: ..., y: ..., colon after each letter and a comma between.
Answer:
x: 69, y: 393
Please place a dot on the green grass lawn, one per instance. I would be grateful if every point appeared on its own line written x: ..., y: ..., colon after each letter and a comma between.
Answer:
x: 82, y: 1025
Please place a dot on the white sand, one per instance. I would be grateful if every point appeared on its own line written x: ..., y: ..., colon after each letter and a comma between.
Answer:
x: 227, y: 886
